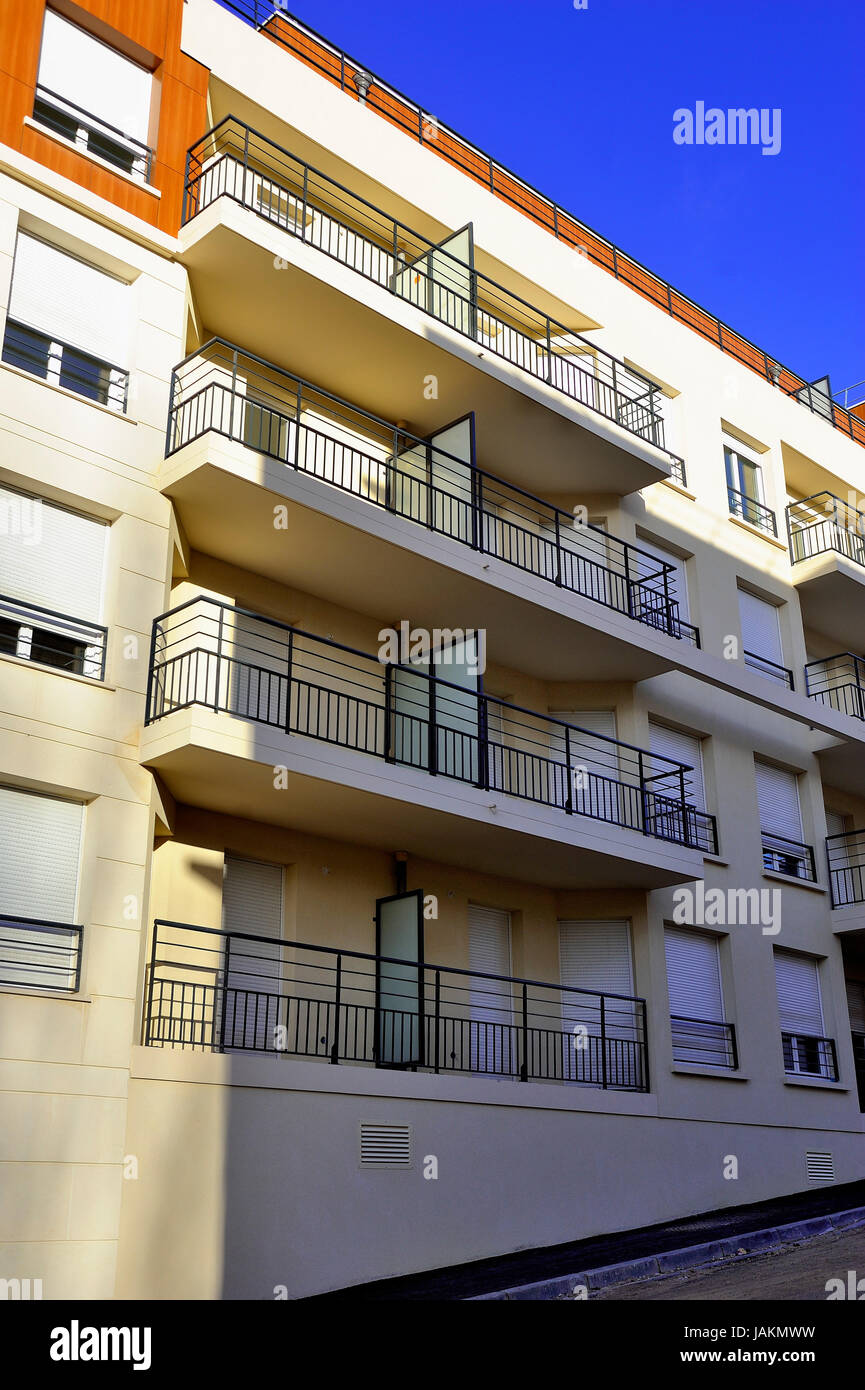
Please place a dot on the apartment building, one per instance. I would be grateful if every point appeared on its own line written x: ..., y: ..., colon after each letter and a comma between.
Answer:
x: 432, y: 729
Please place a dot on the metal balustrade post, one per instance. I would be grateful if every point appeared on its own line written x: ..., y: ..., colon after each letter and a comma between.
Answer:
x: 148, y: 1021
x: 549, y: 354
x: 234, y: 393
x: 558, y: 549
x: 644, y: 804
x: 524, y: 1068
x: 289, y: 677
x: 298, y: 410
x: 334, y: 1051
x: 437, y: 1020
x: 615, y: 394
x: 245, y: 162
x: 169, y: 424
x: 569, y: 773
x: 149, y: 715
x: 483, y: 743
x: 860, y: 698
x: 628, y: 582
x: 432, y: 742
x: 604, y: 1079
x: 219, y: 639
x: 305, y: 202
x: 224, y: 1015
x: 480, y: 514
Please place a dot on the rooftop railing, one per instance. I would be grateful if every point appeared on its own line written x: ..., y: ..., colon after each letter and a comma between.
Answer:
x: 824, y: 523
x: 237, y: 662
x: 379, y: 96
x: 750, y: 510
x: 845, y: 854
x: 234, y: 161
x: 91, y: 133
x: 40, y: 955
x: 38, y: 634
x: 238, y: 395
x: 213, y: 991
x: 838, y: 681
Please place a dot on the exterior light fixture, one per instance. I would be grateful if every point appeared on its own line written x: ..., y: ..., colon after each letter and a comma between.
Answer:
x: 362, y: 81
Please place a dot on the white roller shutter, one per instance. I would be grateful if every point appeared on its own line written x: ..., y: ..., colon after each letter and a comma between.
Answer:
x: 252, y: 903
x: 856, y: 1005
x: 70, y: 301
x: 778, y: 799
x: 677, y: 582
x: 798, y: 987
x: 682, y: 748
x: 75, y: 65
x: 252, y: 897
x: 51, y: 556
x: 599, y: 758
x: 40, y: 847
x: 696, y: 998
x: 596, y: 956
x: 761, y: 634
x: 490, y: 1007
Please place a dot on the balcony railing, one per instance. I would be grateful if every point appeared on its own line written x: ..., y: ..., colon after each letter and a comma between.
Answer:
x: 60, y: 363
x: 809, y: 1056
x: 700, y: 1042
x: 234, y: 161
x: 52, y: 639
x: 824, y: 523
x: 336, y: 66
x: 859, y: 1062
x: 237, y: 662
x: 212, y: 991
x: 238, y: 395
x: 750, y: 510
x: 40, y: 955
x: 782, y: 674
x: 846, y: 858
x: 91, y: 133
x: 838, y: 681
x: 791, y: 857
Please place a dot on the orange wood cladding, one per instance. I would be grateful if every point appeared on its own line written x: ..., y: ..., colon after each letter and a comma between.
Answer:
x: 180, y: 89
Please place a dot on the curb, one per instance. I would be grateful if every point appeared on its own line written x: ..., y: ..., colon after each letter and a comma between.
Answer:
x: 713, y: 1252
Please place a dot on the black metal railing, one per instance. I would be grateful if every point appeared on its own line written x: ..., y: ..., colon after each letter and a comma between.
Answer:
x: 234, y: 661
x: 838, y: 681
x: 91, y: 133
x: 784, y: 856
x: 62, y: 364
x: 235, y: 161
x: 845, y: 854
x: 750, y: 510
x: 217, y: 991
x: 54, y: 639
x: 701, y: 1042
x: 824, y: 523
x: 859, y: 1062
x: 40, y: 955
x: 336, y: 66
x: 772, y: 669
x: 219, y: 388
x: 809, y: 1056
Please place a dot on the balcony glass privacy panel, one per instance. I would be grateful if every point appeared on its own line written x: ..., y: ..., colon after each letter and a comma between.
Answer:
x: 432, y: 481
x: 337, y: 1006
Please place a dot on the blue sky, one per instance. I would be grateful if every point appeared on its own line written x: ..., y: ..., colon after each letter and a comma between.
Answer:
x: 581, y: 102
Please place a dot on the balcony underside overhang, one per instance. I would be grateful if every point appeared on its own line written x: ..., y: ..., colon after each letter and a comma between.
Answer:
x: 227, y: 765
x: 333, y: 326
x: 366, y: 559
x: 831, y: 592
x: 849, y: 922
x: 842, y: 762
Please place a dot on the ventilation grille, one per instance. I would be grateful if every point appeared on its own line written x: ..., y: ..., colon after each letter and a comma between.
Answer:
x: 385, y: 1146
x: 819, y: 1167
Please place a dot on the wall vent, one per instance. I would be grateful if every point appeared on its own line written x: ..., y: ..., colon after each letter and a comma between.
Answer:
x: 819, y: 1167
x: 385, y: 1146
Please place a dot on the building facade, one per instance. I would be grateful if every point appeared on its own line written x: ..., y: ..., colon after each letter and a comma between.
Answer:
x: 432, y: 728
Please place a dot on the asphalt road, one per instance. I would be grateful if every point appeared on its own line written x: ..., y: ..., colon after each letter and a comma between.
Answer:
x: 796, y: 1274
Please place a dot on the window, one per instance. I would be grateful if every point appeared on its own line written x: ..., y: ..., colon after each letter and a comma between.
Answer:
x: 68, y: 323
x: 806, y: 1051
x: 252, y: 904
x: 677, y: 581
x: 700, y: 1035
x: 490, y: 1003
x: 602, y: 1045
x: 665, y: 742
x: 40, y: 846
x: 51, y: 585
x: 761, y: 638
x: 745, y: 490
x: 93, y: 96
x: 594, y: 763
x: 781, y: 822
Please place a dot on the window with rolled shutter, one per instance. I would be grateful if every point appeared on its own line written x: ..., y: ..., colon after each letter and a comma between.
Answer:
x: 700, y: 1034
x: 92, y: 78
x: 252, y: 904
x: 801, y: 1013
x: 856, y: 1005
x: 594, y: 758
x: 492, y: 1040
x: 677, y: 582
x: 761, y: 633
x: 778, y: 799
x: 69, y: 300
x: 600, y: 1039
x: 682, y: 748
x: 40, y: 850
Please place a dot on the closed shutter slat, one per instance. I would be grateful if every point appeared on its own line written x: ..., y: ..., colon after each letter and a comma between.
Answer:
x: 70, y: 301
x: 682, y: 748
x: 761, y: 634
x: 693, y: 975
x: 75, y: 65
x: 778, y: 799
x: 798, y: 994
x: 40, y: 842
x: 677, y: 582
x: 53, y: 557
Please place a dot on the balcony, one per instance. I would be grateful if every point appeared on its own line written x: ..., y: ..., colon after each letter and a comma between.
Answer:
x: 40, y: 955
x: 838, y: 681
x: 702, y: 1043
x: 61, y: 364
x: 211, y: 991
x: 789, y: 857
x: 809, y: 1056
x: 749, y: 509
x: 93, y: 135
x: 846, y: 858
x: 416, y: 304
x: 827, y: 551
x: 432, y: 483
x: 232, y: 690
x: 858, y: 1040
x: 52, y: 639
